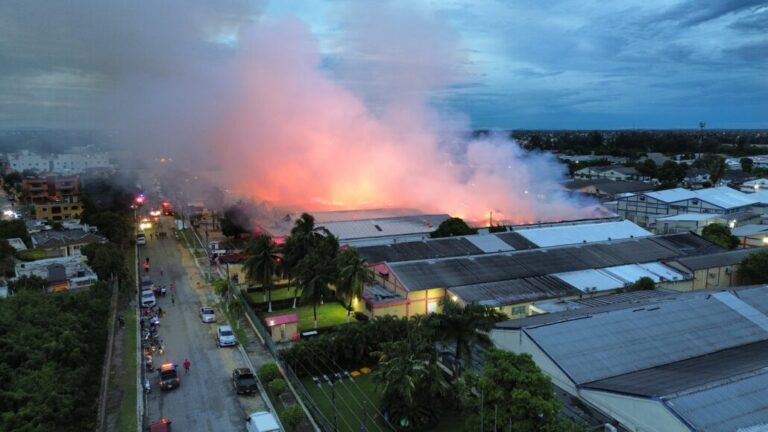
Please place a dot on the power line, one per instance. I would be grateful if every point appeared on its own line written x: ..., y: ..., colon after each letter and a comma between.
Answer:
x: 333, y: 405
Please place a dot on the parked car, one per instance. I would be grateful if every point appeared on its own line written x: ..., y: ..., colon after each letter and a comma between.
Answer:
x: 225, y: 336
x: 244, y: 381
x: 141, y: 239
x: 169, y: 377
x: 207, y: 315
x: 148, y: 298
x: 162, y: 425
x: 262, y: 421
x: 146, y: 284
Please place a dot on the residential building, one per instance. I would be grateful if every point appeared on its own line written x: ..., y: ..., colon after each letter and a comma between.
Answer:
x: 49, y: 188
x: 754, y: 185
x: 608, y: 172
x: 17, y: 244
x: 59, y: 210
x: 64, y: 243
x: 62, y: 163
x: 717, y: 270
x: 64, y: 273
x: 645, y: 208
x: 682, y: 363
x: 695, y: 178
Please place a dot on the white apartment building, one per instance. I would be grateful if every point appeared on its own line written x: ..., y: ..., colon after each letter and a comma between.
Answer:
x: 62, y: 163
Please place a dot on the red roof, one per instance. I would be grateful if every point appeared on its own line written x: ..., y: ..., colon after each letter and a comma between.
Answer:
x: 282, y: 319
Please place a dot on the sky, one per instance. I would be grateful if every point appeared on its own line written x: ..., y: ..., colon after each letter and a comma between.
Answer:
x: 518, y: 64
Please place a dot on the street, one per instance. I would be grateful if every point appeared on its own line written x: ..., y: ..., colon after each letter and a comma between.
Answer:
x: 205, y: 400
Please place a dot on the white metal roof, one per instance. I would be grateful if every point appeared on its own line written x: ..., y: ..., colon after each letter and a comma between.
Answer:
x: 489, y: 243
x: 582, y: 233
x: 751, y: 229
x: 691, y: 217
x: 724, y: 197
x: 385, y: 227
x: 590, y: 280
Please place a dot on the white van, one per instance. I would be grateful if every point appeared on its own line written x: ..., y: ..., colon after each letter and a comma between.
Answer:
x: 262, y: 421
x: 141, y: 239
x: 148, y: 298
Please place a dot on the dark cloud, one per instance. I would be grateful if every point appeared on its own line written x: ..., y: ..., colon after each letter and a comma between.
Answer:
x: 695, y: 12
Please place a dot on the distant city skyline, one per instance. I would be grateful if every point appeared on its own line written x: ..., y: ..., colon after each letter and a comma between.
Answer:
x: 564, y: 64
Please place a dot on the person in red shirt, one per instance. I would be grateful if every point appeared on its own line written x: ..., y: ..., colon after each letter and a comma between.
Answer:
x: 187, y: 364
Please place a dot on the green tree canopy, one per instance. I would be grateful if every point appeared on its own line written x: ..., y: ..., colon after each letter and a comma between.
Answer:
x: 754, y: 268
x: 7, y: 261
x: 647, y: 168
x: 452, y: 227
x: 105, y: 259
x: 514, y: 395
x: 747, y: 164
x: 720, y: 235
x: 113, y: 225
x: 261, y: 266
x: 671, y: 172
x: 28, y: 283
x: 643, y: 284
x: 353, y: 275
x: 15, y: 228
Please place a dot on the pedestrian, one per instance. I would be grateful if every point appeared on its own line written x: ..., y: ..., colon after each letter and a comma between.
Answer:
x: 160, y: 312
x: 173, y: 299
x: 187, y: 364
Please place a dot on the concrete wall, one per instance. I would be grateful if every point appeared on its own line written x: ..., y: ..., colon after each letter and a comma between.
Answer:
x: 635, y: 414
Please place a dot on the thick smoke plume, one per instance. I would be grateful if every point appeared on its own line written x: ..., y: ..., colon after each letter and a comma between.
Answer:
x: 250, y: 102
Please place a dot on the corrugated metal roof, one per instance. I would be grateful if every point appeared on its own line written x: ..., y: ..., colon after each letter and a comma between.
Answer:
x: 426, y: 249
x: 451, y: 272
x: 631, y: 273
x: 691, y: 217
x: 583, y: 233
x: 628, y: 340
x: 590, y: 280
x: 384, y: 227
x: 752, y: 229
x: 489, y: 243
x: 514, y: 291
x: 723, y: 197
x: 733, y: 406
x: 717, y: 260
x: 517, y: 241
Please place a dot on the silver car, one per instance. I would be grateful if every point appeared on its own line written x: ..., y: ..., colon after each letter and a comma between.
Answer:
x: 207, y: 315
x: 225, y: 336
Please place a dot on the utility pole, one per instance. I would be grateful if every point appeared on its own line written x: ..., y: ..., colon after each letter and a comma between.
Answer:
x: 363, y: 427
x: 333, y: 402
x: 207, y: 253
x: 702, y: 125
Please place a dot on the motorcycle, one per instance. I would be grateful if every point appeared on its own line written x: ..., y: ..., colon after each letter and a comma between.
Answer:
x: 148, y: 363
x: 147, y: 387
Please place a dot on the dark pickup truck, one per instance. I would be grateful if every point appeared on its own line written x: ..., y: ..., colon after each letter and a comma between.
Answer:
x: 244, y: 381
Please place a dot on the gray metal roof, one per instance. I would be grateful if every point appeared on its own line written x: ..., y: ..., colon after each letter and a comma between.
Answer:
x: 685, y: 375
x: 628, y: 340
x: 452, y: 272
x: 418, y: 250
x: 717, y: 260
x: 516, y: 240
x: 514, y: 291
x: 733, y: 406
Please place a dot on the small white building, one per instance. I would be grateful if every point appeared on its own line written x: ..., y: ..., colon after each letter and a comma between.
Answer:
x: 756, y: 185
x: 64, y: 273
x: 62, y: 163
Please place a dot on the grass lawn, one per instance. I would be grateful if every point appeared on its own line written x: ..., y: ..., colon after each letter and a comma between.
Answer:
x: 128, y: 421
x: 277, y: 294
x: 349, y: 403
x: 328, y: 314
x: 191, y: 243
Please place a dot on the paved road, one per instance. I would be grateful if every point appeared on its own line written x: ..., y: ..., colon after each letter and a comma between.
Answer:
x: 205, y: 400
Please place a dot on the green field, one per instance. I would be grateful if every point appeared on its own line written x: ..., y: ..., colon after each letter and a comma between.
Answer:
x: 328, y: 315
x: 277, y: 294
x: 350, y: 396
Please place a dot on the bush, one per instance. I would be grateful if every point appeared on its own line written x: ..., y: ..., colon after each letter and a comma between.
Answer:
x: 277, y: 387
x: 291, y: 417
x: 361, y: 316
x: 269, y: 372
x: 32, y: 254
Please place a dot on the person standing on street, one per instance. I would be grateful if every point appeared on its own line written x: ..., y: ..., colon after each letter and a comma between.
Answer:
x: 187, y: 364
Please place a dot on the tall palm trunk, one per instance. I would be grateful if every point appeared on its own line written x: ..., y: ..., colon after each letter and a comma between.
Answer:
x: 315, y: 307
x: 269, y: 294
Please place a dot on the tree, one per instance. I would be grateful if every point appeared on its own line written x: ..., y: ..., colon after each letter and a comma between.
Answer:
x: 7, y: 262
x: 301, y: 240
x: 292, y: 417
x: 235, y: 221
x: 28, y: 283
x: 647, y: 168
x: 466, y: 327
x: 353, y: 275
x: 317, y: 271
x: 715, y: 164
x: 746, y: 164
x: 113, y: 225
x: 720, y: 235
x: 643, y: 284
x: 514, y: 395
x: 16, y: 228
x: 262, y: 265
x: 671, y: 172
x: 452, y: 227
x: 106, y: 259
x: 412, y: 383
x: 754, y: 268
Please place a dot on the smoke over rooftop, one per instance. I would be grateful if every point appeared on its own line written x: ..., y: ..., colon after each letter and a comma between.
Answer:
x: 255, y: 103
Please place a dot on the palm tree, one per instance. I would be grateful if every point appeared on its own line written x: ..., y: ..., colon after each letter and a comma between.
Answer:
x: 315, y: 272
x: 297, y: 246
x: 354, y: 274
x: 411, y: 381
x: 262, y: 265
x: 466, y: 327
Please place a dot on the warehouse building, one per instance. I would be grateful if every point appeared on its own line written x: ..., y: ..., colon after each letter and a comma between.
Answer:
x: 687, y: 362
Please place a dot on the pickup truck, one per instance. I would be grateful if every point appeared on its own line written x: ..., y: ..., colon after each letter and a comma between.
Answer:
x: 244, y: 381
